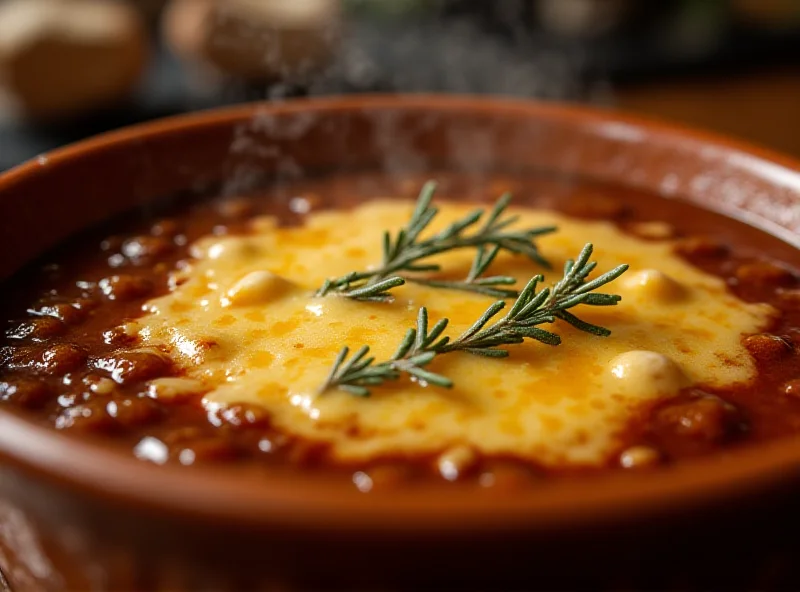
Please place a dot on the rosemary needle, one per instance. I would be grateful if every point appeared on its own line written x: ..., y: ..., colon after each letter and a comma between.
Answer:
x: 404, y: 255
x: 356, y: 374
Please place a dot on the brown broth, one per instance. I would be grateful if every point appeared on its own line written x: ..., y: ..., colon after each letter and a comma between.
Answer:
x: 49, y: 359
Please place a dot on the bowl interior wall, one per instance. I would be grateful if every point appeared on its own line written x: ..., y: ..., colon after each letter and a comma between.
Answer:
x: 56, y: 195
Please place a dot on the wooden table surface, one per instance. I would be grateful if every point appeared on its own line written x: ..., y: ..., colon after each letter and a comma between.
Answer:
x: 763, y: 108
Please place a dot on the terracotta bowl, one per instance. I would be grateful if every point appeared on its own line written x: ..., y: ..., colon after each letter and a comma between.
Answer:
x: 77, y: 516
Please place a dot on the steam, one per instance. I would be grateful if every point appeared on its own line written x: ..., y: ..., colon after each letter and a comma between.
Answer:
x: 437, y: 56
x: 453, y: 56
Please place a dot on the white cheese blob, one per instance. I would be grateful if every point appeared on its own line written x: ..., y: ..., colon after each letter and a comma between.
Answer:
x: 243, y: 321
x: 655, y: 284
x: 646, y: 372
x: 256, y: 287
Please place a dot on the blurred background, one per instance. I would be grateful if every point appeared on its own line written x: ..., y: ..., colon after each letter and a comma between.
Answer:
x: 73, y: 68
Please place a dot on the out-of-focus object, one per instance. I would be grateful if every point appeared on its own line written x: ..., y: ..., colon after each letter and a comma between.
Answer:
x: 150, y: 9
x: 694, y: 29
x: 59, y: 58
x: 582, y: 18
x: 255, y: 39
x: 768, y: 13
x: 393, y: 9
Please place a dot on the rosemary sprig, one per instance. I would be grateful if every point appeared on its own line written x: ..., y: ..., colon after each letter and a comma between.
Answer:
x: 474, y: 282
x: 405, y: 253
x: 420, y: 346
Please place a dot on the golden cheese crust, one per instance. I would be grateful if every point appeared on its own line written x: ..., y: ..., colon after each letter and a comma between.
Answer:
x: 242, y: 319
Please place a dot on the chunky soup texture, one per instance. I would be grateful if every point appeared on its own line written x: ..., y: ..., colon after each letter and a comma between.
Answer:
x: 146, y: 335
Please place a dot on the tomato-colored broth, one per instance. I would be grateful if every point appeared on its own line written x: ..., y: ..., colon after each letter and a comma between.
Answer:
x: 65, y: 363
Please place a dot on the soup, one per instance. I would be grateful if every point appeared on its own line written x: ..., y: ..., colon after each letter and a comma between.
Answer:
x: 202, y: 334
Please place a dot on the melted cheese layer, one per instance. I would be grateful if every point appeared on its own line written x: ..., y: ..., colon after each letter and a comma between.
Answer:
x: 242, y: 319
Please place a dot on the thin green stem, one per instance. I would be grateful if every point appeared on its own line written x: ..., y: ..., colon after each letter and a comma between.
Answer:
x: 420, y: 346
x: 405, y: 254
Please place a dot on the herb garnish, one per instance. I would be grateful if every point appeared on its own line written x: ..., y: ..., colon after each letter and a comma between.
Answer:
x: 405, y: 253
x: 420, y: 346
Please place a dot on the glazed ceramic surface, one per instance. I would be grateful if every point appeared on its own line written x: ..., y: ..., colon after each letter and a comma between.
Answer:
x: 76, y: 515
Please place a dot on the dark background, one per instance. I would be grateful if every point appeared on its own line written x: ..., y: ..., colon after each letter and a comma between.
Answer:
x: 730, y: 66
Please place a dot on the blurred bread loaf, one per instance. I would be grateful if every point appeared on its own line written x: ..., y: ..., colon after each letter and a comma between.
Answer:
x: 59, y: 58
x: 254, y: 39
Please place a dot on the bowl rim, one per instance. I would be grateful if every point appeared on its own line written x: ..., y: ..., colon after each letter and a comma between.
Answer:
x: 305, y: 502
